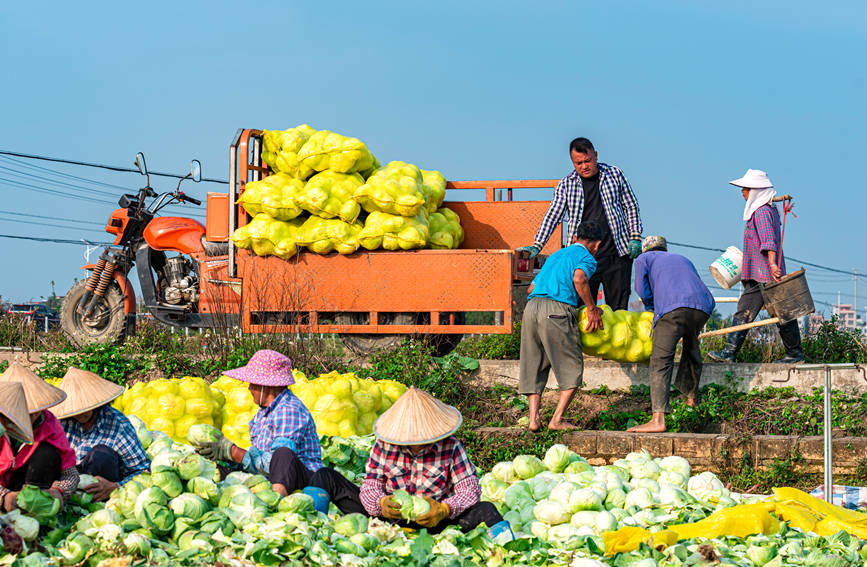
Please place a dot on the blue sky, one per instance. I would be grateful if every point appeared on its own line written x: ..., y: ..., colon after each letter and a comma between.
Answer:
x: 683, y: 96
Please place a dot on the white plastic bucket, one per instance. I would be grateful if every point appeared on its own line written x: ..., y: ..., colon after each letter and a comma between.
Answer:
x: 726, y: 269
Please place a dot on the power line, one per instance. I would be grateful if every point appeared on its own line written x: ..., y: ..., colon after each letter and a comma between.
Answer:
x: 61, y: 174
x: 103, y: 166
x: 790, y: 258
x: 56, y: 192
x: 61, y: 226
x: 80, y: 242
x: 49, y: 218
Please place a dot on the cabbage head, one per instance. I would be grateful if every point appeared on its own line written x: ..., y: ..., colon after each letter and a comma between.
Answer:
x: 202, y: 433
x: 189, y: 505
x: 761, y: 554
x: 25, y: 526
x: 493, y: 489
x: 39, y: 504
x: 605, y: 522
x: 411, y: 506
x: 552, y: 512
x: 616, y: 499
x: 268, y: 496
x: 562, y: 491
x: 672, y: 495
x: 193, y: 465
x: 707, y: 488
x: 644, y: 469
x: 561, y: 534
x: 675, y: 464
x: 152, y: 512
x: 85, y: 480
x: 527, y: 466
x: 541, y: 486
x: 505, y: 471
x: 584, y: 518
x: 623, y: 473
x: 578, y: 466
x: 75, y: 548
x: 584, y: 499
x: 673, y: 478
x: 244, y: 508
x: 236, y: 477
x: 168, y: 482
x: 205, y: 489
x: 297, y: 503
x: 647, y: 483
x: 350, y: 524
x: 640, y: 497
x: 539, y: 530
x: 514, y: 519
x: 194, y: 539
x: 517, y: 492
x: 230, y: 491
x: 558, y: 457
x: 165, y: 461
x: 137, y: 544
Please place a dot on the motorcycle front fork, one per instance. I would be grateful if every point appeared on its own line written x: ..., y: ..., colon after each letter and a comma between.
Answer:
x: 97, y: 283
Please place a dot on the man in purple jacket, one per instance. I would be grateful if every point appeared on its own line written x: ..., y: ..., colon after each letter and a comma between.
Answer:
x: 670, y: 286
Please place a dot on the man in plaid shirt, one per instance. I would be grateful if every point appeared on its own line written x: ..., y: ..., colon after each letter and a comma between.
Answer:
x: 107, y: 447
x: 599, y: 192
x: 438, y: 471
x: 285, y: 446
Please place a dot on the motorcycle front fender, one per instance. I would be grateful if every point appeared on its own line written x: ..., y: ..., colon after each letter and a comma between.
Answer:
x: 129, y: 299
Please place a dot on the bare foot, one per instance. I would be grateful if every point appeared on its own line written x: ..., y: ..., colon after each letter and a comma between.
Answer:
x: 561, y: 426
x: 535, y: 425
x: 649, y: 427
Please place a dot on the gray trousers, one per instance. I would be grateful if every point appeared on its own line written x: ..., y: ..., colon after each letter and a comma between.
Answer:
x: 550, y: 339
x: 685, y: 323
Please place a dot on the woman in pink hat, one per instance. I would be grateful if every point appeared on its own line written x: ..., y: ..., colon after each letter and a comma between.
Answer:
x: 285, y: 446
x: 763, y: 263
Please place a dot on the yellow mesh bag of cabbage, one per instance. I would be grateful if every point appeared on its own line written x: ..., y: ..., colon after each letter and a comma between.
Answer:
x: 329, y: 195
x: 276, y: 195
x: 329, y: 150
x: 434, y: 186
x: 280, y: 148
x: 445, y: 229
x: 266, y: 236
x: 397, y: 188
x: 326, y: 235
x: 625, y: 336
x: 171, y: 405
x: 393, y: 232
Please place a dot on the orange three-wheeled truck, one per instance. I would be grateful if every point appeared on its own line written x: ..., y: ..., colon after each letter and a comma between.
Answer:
x: 193, y: 276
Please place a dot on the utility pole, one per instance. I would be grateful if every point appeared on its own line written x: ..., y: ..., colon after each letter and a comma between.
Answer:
x: 855, y: 302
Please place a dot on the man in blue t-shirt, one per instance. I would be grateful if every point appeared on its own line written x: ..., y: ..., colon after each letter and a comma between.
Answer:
x: 550, y: 338
x: 669, y: 285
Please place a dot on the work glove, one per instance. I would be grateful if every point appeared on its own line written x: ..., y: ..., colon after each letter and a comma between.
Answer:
x: 220, y: 450
x: 532, y: 251
x: 390, y: 508
x: 437, y: 513
x: 634, y: 249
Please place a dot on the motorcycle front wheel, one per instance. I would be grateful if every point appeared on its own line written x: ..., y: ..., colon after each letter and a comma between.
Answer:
x: 106, y: 323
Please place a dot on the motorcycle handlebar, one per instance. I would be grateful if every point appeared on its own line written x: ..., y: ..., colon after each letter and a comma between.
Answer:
x: 183, y: 197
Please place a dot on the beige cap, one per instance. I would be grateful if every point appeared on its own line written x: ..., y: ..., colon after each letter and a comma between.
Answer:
x: 84, y: 391
x: 40, y: 394
x: 417, y: 418
x: 13, y: 406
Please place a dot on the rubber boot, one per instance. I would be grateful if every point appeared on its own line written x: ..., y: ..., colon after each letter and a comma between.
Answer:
x: 791, y: 336
x: 501, y: 532
x: 733, y: 345
x: 321, y: 500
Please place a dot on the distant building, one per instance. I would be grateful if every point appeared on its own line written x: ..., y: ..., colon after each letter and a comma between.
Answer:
x: 848, y: 317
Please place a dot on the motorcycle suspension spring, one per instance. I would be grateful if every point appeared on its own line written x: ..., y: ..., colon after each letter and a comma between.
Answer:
x: 105, y: 279
x: 94, y: 275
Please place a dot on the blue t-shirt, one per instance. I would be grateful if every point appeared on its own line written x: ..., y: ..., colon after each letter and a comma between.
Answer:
x: 554, y: 280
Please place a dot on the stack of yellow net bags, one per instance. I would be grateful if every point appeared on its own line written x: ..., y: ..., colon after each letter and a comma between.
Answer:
x: 341, y: 404
x: 625, y: 337
x: 329, y: 193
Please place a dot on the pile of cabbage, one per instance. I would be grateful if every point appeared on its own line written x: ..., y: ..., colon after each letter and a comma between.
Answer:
x: 341, y: 404
x: 626, y: 336
x: 329, y: 193
x: 561, y: 496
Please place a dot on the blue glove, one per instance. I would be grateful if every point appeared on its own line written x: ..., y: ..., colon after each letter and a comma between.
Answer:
x: 533, y: 250
x: 320, y: 498
x: 634, y: 249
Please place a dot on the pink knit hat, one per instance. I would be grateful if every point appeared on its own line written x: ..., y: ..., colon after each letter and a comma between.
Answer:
x: 266, y: 368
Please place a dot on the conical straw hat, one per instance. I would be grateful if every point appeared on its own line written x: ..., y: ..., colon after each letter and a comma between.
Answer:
x: 39, y: 393
x: 84, y: 391
x: 417, y: 418
x: 13, y: 405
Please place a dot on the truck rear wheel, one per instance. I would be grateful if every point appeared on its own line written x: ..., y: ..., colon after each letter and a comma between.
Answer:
x: 365, y: 344
x: 107, y: 323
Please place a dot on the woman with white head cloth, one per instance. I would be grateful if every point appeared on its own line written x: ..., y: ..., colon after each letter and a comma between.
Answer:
x: 763, y: 262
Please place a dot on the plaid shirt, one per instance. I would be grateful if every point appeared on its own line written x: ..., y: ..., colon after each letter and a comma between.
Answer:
x: 115, y: 431
x: 618, y: 200
x: 762, y: 233
x: 285, y: 423
x: 441, y: 471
